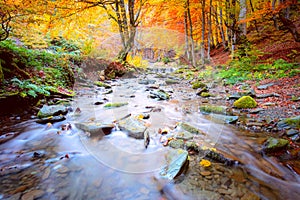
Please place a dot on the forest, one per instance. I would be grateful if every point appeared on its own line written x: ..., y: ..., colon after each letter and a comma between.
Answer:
x: 149, y: 99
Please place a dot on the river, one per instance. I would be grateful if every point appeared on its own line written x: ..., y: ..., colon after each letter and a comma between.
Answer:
x: 44, y: 161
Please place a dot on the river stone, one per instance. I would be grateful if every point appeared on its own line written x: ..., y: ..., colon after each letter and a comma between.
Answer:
x: 170, y: 81
x: 274, y: 144
x: 225, y: 118
x: 34, y: 194
x: 295, y: 138
x: 205, y: 173
x: 183, y: 135
x: 287, y: 123
x: 177, y: 163
x: 187, y: 127
x: 176, y: 144
x: 262, y: 96
x: 256, y: 110
x: 54, y: 110
x: 159, y: 94
x: 264, y: 87
x: 51, y: 119
x: 213, y: 109
x: 291, y: 132
x: 235, y: 96
x: 133, y: 126
x: 95, y: 128
x: 146, y: 81
x: 102, y: 84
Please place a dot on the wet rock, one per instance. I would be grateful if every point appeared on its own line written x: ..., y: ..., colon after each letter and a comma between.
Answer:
x: 51, y: 119
x: 99, y: 103
x: 198, y: 84
x: 159, y: 94
x: 264, y: 87
x: 133, y: 126
x: 206, y: 94
x: 176, y: 143
x: 245, y: 102
x: 95, y: 128
x: 295, y: 138
x: 54, y: 110
x: 262, y: 96
x: 187, y: 127
x: 213, y: 109
x: 274, y: 144
x: 235, y: 96
x: 171, y: 81
x: 184, y: 135
x: 225, y: 118
x: 201, y: 90
x: 287, y: 123
x: 102, y: 84
x: 205, y: 173
x: 177, y: 163
x: 256, y: 110
x: 108, y: 92
x: 34, y: 194
x: 146, y: 81
x: 115, y: 105
x: 146, y: 139
x: 291, y: 132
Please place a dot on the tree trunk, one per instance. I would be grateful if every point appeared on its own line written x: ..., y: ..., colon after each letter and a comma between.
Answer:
x: 255, y: 22
x: 191, y: 34
x: 242, y: 16
x: 203, y: 33
x: 274, y: 16
x: 209, y: 31
x: 186, y: 31
x: 221, y: 28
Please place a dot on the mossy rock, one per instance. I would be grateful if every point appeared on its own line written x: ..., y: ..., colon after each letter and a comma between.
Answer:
x: 274, y: 144
x: 177, y: 143
x: 198, y: 84
x: 205, y: 94
x: 101, y: 84
x: 293, y: 122
x: 115, y: 105
x: 214, y: 109
x: 245, y: 102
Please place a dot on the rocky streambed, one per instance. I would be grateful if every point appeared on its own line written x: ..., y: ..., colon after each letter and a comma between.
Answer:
x: 93, y: 147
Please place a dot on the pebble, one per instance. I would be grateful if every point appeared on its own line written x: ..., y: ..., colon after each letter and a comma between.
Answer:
x: 34, y: 194
x: 46, y: 174
x: 205, y: 173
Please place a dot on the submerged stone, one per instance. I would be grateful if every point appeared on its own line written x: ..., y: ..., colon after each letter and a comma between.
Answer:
x: 54, y: 110
x: 213, y: 109
x: 177, y: 164
x: 115, y: 105
x: 102, y: 84
x: 225, y: 118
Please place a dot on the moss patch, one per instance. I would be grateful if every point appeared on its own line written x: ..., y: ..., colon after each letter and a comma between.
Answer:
x: 115, y: 105
x: 198, y: 84
x: 245, y: 102
x: 101, y: 84
x: 213, y: 109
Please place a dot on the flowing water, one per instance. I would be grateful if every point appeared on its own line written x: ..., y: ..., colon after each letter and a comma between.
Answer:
x: 46, y: 162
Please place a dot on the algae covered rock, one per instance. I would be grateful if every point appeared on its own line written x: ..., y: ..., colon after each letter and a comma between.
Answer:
x: 245, y: 102
x: 198, y: 84
x: 115, y: 105
x: 177, y: 143
x: 102, y: 84
x: 274, y: 144
x: 54, y: 110
x: 213, y: 109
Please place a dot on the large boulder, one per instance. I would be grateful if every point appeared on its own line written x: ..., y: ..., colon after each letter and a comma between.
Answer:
x: 54, y: 110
